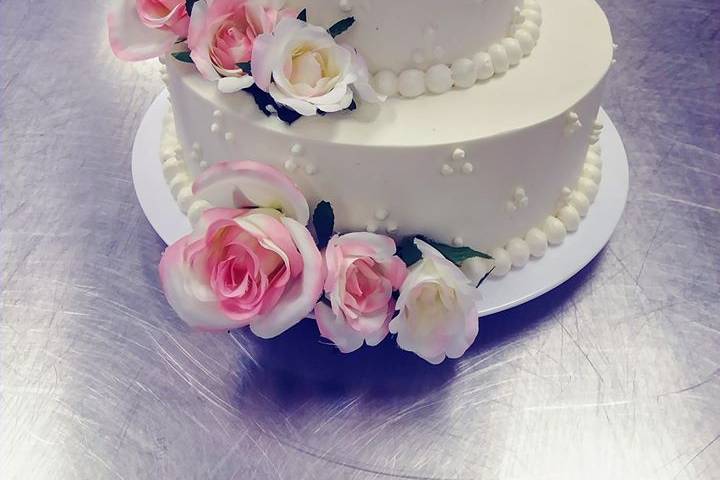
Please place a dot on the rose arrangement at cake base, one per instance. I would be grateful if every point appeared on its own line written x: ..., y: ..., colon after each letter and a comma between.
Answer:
x: 290, y: 67
x: 257, y: 258
x: 252, y: 261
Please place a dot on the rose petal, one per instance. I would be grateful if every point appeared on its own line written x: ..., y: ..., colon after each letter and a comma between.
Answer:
x: 261, y: 184
x: 301, y: 106
x: 336, y: 330
x: 235, y: 84
x: 130, y: 39
x: 194, y: 312
x: 300, y: 299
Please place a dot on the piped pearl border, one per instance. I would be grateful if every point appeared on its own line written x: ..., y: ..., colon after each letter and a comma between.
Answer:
x: 175, y: 171
x: 573, y: 206
x: 523, y: 35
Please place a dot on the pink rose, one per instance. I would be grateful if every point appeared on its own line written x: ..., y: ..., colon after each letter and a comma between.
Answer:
x: 252, y: 267
x: 247, y: 184
x: 142, y: 29
x: 250, y: 260
x: 362, y: 273
x: 222, y: 34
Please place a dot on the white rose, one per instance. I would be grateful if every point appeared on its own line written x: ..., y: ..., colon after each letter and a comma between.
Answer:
x: 303, y: 68
x: 438, y: 309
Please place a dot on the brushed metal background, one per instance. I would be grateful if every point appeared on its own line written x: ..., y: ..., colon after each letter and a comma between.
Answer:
x: 614, y: 375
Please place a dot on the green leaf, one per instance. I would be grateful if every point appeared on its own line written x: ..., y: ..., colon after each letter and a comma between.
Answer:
x: 408, y: 251
x: 245, y: 66
x: 457, y: 255
x: 341, y: 26
x: 182, y: 57
x: 189, y: 6
x: 324, y: 223
x: 410, y: 254
x: 302, y: 16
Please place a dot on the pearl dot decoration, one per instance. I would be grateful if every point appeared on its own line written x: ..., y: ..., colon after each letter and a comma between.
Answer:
x: 476, y: 268
x: 554, y: 230
x: 345, y: 5
x: 458, y: 156
x: 217, y: 114
x: 203, y: 164
x: 483, y: 65
x: 519, y: 252
x: 519, y: 200
x: 185, y: 198
x: 525, y: 40
x: 503, y: 262
x: 532, y: 15
x: 381, y: 214
x: 499, y: 57
x: 596, y: 131
x: 386, y: 83
x: 537, y: 242
x: 458, y: 242
x: 391, y: 227
x: 311, y: 169
x: 588, y: 188
x: 570, y: 217
x: 513, y: 50
x: 580, y: 202
x: 411, y: 83
x: 371, y: 228
x: 196, y: 210
x: 592, y: 172
x: 572, y: 123
x: 290, y: 165
x: 172, y: 167
x: 229, y: 137
x: 178, y: 182
x: 517, y: 15
x: 297, y: 150
x: 464, y: 73
x: 215, y: 127
x: 531, y: 28
x: 440, y: 77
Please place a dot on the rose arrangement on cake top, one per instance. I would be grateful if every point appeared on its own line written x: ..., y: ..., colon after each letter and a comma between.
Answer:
x: 291, y: 67
x: 252, y: 261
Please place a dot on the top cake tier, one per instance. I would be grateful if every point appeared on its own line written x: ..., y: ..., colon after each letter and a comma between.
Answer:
x: 401, y: 34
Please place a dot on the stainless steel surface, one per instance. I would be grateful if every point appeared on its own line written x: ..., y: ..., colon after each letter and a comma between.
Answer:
x: 613, y: 375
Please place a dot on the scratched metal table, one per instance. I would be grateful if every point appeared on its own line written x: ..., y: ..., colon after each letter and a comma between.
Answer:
x: 616, y: 374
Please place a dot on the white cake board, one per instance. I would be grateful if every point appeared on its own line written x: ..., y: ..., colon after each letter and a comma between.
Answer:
x: 519, y: 286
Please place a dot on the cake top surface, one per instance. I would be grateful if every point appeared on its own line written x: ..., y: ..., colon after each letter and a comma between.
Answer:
x: 401, y: 34
x: 571, y: 58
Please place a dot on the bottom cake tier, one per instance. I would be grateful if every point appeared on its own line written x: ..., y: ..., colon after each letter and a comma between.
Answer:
x: 572, y: 205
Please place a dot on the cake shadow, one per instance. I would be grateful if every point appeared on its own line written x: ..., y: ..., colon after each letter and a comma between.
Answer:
x: 501, y: 327
x: 300, y: 367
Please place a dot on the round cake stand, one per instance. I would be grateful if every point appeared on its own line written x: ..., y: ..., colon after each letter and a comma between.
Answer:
x: 498, y: 294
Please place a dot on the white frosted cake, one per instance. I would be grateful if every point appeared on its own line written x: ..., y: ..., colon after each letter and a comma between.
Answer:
x: 468, y: 122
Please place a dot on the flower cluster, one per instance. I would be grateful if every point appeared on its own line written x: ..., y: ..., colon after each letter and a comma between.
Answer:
x: 272, y: 53
x: 252, y: 261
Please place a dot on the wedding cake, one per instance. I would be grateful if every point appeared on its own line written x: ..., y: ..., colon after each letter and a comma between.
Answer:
x: 421, y: 144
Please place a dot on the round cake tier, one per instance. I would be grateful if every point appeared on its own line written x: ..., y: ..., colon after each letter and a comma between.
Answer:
x: 400, y: 34
x: 477, y: 166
